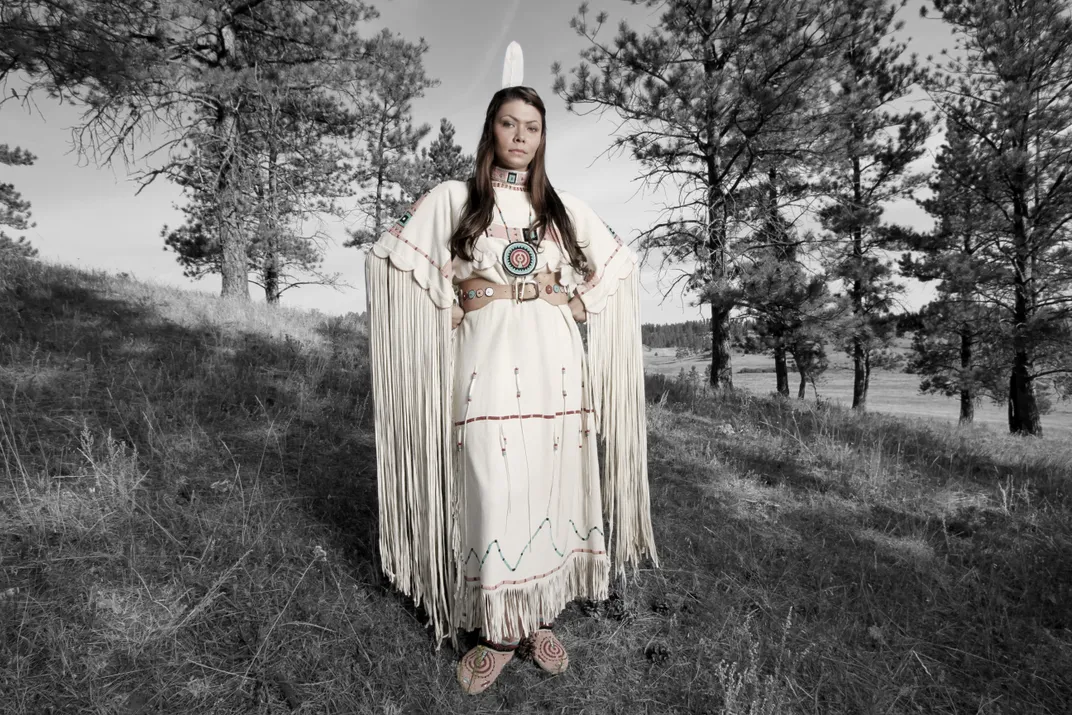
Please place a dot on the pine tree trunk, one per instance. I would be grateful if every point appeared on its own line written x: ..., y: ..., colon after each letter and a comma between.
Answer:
x: 967, y: 407
x: 1024, y: 415
x: 867, y: 373
x: 717, y: 225
x: 721, y: 362
x: 234, y: 264
x: 967, y: 399
x: 781, y: 368
x: 859, y: 353
x: 233, y: 259
x: 271, y: 274
x: 272, y: 269
x: 786, y: 253
x: 859, y: 375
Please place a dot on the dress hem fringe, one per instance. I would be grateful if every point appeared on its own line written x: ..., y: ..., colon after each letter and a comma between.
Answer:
x: 529, y: 604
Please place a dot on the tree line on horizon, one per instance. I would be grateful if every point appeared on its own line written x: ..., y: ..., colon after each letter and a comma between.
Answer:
x: 693, y: 335
x: 781, y: 132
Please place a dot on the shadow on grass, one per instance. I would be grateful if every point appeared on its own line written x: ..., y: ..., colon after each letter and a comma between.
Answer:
x: 199, y: 403
x: 236, y: 431
x: 925, y: 603
x: 937, y: 453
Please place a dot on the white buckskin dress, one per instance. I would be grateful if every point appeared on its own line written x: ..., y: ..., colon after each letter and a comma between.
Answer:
x: 493, y: 514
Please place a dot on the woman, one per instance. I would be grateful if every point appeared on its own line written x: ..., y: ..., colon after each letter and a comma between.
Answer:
x: 491, y: 507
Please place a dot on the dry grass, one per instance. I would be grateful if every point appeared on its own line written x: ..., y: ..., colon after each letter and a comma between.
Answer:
x: 187, y: 524
x: 928, y: 569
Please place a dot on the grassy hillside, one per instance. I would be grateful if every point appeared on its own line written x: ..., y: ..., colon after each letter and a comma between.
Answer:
x: 188, y: 524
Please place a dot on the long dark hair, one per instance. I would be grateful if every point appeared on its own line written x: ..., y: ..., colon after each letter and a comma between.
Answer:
x: 550, y: 212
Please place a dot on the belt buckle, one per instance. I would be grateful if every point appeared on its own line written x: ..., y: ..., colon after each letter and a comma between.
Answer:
x: 519, y: 291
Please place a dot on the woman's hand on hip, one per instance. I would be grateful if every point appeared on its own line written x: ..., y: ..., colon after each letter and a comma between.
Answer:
x: 576, y: 307
x: 456, y: 315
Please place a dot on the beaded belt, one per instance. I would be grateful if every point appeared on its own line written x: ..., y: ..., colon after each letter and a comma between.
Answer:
x: 475, y: 293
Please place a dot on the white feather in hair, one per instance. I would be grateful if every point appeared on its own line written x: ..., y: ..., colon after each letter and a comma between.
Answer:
x: 513, y: 67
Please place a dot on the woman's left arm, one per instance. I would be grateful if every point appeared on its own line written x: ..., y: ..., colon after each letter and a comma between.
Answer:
x: 609, y: 259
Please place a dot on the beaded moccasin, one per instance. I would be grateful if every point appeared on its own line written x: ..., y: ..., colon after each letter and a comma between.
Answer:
x: 480, y: 667
x: 548, y: 652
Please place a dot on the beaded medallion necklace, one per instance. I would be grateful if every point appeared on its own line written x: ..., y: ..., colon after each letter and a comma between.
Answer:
x: 519, y: 258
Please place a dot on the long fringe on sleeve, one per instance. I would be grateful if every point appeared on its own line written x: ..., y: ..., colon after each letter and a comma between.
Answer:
x: 616, y: 371
x: 410, y: 346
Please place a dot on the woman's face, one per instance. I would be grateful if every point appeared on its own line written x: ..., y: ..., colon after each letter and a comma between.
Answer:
x: 518, y: 132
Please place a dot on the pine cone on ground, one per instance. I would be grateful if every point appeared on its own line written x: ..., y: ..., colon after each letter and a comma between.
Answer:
x: 524, y: 648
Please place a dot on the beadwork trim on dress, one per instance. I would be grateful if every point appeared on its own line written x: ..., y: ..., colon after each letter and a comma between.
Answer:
x: 551, y: 416
x: 537, y: 577
x: 446, y: 270
x: 562, y: 553
x: 593, y: 281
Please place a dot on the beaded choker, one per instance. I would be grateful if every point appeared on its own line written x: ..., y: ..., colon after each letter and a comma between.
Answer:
x: 509, y: 179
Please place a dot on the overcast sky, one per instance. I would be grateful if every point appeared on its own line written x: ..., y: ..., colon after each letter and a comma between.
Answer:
x: 90, y: 217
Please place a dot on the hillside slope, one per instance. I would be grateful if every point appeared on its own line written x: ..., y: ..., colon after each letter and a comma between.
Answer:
x: 188, y: 524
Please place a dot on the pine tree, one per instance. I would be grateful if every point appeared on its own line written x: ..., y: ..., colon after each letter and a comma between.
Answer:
x: 788, y: 304
x: 958, y: 344
x: 702, y: 95
x: 1006, y: 90
x: 286, y: 177
x: 14, y: 210
x: 785, y: 300
x: 391, y: 140
x: 76, y: 44
x: 871, y: 147
x: 791, y: 309
x: 197, y: 68
x: 442, y: 160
